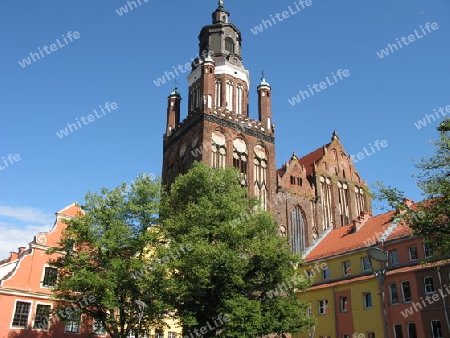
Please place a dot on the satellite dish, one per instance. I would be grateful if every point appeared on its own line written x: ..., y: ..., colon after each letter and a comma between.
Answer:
x: 140, y: 303
x: 378, y: 254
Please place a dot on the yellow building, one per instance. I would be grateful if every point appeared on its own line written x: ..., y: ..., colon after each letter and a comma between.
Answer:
x: 345, y: 296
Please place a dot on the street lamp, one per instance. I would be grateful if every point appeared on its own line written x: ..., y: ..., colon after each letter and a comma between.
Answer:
x: 382, y: 257
x: 141, y: 305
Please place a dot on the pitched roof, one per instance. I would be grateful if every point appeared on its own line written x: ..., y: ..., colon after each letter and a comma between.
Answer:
x: 345, y: 239
x: 308, y: 160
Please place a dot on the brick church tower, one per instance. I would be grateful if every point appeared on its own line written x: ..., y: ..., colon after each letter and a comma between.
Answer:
x: 218, y: 129
x: 308, y: 196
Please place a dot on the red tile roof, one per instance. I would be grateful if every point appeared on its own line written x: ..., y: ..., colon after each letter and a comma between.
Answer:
x: 309, y: 160
x: 343, y: 239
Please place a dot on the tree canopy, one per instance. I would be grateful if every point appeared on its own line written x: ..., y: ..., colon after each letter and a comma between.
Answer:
x: 238, y: 278
x: 431, y: 217
x: 105, y: 257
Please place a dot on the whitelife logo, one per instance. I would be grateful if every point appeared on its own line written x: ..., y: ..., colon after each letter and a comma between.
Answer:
x: 322, y: 85
x: 411, y: 38
x: 53, y: 48
x: 71, y: 127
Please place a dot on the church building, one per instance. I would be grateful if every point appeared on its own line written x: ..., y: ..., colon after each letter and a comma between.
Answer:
x: 308, y: 195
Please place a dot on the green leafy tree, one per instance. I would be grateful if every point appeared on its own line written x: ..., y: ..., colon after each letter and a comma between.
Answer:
x: 238, y: 278
x: 430, y: 218
x: 106, y: 255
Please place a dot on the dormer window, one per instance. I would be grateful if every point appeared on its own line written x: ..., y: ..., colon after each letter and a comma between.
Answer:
x: 229, y: 45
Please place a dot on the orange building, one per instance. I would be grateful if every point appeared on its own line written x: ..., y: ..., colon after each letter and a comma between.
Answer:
x: 26, y: 281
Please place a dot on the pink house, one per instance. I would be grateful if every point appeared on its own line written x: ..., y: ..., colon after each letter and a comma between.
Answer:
x: 26, y: 281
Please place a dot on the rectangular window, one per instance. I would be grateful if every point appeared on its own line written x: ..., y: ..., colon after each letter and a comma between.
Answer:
x: 159, y: 334
x: 72, y: 324
x: 98, y: 328
x: 345, y: 335
x: 366, y: 266
x: 42, y: 318
x: 429, y: 285
x: 393, y: 257
x: 436, y: 330
x: 172, y: 335
x: 406, y: 290
x: 347, y: 268
x: 393, y: 293
x: 427, y: 250
x: 413, y: 253
x: 411, y: 328
x: 21, y: 313
x: 367, y: 300
x: 398, y: 332
x: 343, y: 301
x: 370, y: 334
x: 326, y: 273
x: 50, y: 275
x: 323, y: 307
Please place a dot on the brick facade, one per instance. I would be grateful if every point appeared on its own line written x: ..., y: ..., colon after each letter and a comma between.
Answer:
x: 307, y: 195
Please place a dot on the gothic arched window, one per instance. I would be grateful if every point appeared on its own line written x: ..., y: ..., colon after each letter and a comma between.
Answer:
x: 260, y: 175
x: 230, y: 95
x: 359, y: 200
x: 327, y: 212
x: 239, y: 98
x: 240, y: 159
x: 229, y: 45
x: 297, y: 230
x: 218, y: 94
x: 343, y: 203
x: 219, y: 151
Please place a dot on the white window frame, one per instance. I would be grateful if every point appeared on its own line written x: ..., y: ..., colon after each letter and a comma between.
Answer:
x: 409, y: 252
x: 345, y: 268
x: 390, y: 293
x: 401, y: 328
x: 324, y: 272
x: 365, y: 295
x: 425, y: 285
x: 431, y: 327
x: 14, y: 313
x: 43, y: 276
x: 323, y: 307
x: 34, y: 317
x: 366, y: 259
x: 403, y: 291
x: 396, y: 257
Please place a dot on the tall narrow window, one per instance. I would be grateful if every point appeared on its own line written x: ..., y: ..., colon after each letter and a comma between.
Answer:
x: 359, y: 200
x: 260, y: 175
x: 398, y: 332
x: 230, y: 96
x: 218, y: 94
x: 240, y: 159
x: 239, y: 98
x: 50, y: 275
x: 411, y: 329
x: 436, y: 329
x: 229, y: 45
x: 327, y: 212
x: 297, y: 230
x: 343, y: 203
x: 393, y: 293
x: 219, y: 152
x: 406, y: 290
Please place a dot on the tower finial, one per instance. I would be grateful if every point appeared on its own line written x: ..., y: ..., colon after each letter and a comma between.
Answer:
x: 220, y: 4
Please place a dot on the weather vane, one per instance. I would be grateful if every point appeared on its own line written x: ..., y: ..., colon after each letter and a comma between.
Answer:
x: 175, y: 82
x: 220, y: 3
x: 262, y: 74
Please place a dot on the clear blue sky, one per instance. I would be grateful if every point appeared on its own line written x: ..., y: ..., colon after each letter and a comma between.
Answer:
x: 117, y: 58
